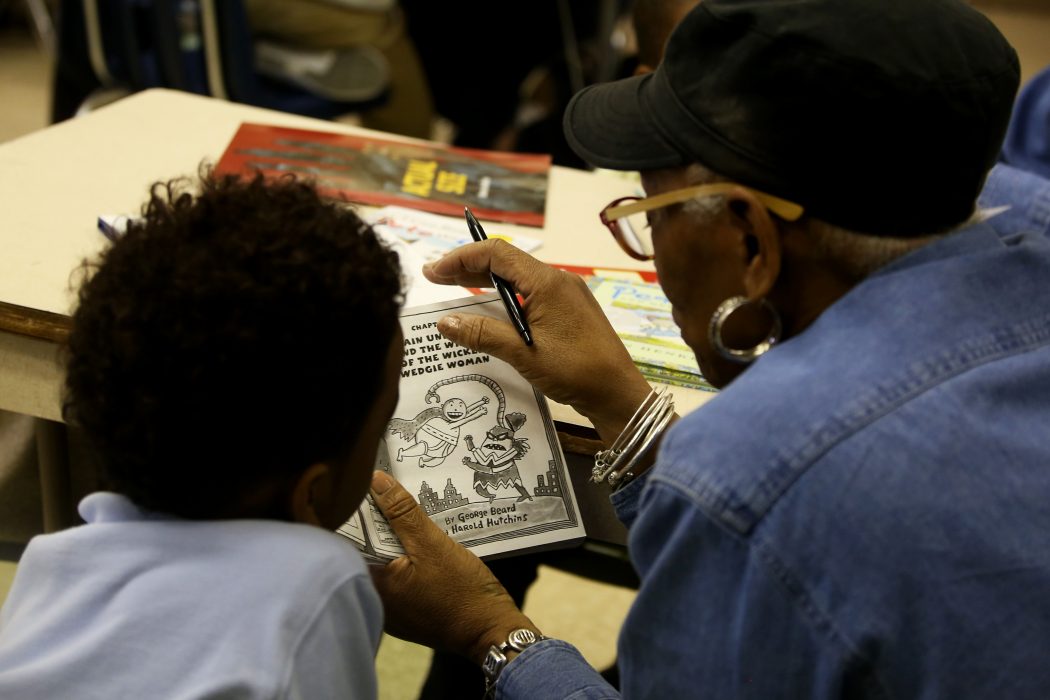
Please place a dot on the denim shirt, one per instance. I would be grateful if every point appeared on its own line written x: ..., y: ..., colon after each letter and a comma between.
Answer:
x: 864, y: 513
x: 1027, y: 143
x: 1026, y: 196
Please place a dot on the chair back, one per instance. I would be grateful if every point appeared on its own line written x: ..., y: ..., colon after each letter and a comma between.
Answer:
x: 200, y: 46
x: 120, y: 48
x: 175, y: 26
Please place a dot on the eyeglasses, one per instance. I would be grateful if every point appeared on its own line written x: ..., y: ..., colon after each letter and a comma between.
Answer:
x: 628, y: 221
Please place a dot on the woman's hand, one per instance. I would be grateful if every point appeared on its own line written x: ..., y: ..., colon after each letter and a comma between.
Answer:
x: 439, y: 594
x: 576, y: 357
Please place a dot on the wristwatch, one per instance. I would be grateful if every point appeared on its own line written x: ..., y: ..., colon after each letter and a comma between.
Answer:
x: 519, y: 640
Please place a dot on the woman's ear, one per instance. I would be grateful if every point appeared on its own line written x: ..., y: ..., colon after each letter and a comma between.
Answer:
x: 761, y: 241
x: 306, y: 494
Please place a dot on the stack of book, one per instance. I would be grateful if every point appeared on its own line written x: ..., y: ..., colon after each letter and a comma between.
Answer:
x: 641, y: 314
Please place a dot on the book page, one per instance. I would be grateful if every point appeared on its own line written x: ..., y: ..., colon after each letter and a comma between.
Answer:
x: 474, y: 443
x: 419, y: 290
x: 434, y: 235
x: 419, y: 237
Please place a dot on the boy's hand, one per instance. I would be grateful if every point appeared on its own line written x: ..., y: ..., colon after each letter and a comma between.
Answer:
x: 438, y: 594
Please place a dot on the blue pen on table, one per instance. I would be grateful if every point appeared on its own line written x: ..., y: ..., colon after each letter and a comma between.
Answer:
x: 108, y: 230
x: 112, y: 227
x: 510, y: 299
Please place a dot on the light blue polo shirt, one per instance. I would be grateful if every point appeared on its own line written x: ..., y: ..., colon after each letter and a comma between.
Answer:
x: 138, y: 605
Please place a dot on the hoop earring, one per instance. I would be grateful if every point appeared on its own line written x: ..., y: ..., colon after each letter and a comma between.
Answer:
x: 722, y: 314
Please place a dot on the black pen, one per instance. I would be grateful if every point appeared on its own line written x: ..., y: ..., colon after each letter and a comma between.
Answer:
x: 510, y: 299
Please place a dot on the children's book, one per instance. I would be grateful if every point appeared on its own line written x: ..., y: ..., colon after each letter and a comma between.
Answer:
x: 499, y: 186
x: 474, y: 443
x: 641, y: 315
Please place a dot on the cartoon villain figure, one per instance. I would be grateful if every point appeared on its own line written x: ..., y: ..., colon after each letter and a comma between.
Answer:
x: 495, y: 462
x: 435, y: 430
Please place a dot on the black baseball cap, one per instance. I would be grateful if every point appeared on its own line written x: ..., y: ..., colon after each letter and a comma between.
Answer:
x: 879, y: 116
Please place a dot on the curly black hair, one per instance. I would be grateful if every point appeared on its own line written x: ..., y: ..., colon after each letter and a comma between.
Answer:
x: 230, y: 338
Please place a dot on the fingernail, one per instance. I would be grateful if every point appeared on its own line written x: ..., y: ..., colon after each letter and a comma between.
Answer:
x: 431, y: 266
x: 448, y: 324
x: 381, y: 482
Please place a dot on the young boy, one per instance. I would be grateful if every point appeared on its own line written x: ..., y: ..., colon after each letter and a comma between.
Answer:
x: 233, y: 361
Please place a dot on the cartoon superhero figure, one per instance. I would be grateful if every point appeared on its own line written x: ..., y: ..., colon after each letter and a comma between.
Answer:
x: 495, y: 461
x: 435, y: 430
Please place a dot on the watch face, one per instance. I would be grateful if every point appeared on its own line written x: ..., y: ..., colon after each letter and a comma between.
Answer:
x: 521, y: 638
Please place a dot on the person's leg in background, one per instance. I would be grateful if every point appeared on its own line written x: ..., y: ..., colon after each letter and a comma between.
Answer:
x: 72, y: 78
x: 20, y: 496
x: 500, y: 72
x: 45, y: 469
x: 410, y: 108
x: 317, y: 24
x: 477, y: 57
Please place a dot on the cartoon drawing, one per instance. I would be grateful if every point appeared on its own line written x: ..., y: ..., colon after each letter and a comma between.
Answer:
x: 433, y: 503
x: 435, y: 430
x: 495, y: 461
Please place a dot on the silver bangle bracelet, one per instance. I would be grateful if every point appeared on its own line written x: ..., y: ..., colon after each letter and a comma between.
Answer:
x: 637, y: 438
x: 621, y: 477
x: 605, y: 461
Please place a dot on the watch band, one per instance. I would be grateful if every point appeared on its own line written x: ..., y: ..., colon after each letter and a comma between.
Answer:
x: 496, y: 660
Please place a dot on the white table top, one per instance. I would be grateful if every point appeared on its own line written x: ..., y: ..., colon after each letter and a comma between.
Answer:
x: 56, y: 182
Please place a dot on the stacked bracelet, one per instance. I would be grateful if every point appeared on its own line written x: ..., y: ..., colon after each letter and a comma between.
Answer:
x: 616, y: 463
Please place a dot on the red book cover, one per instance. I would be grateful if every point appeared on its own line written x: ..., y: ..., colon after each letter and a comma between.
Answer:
x: 497, y: 186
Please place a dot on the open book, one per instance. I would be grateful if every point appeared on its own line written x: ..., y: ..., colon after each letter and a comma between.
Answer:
x: 475, y: 443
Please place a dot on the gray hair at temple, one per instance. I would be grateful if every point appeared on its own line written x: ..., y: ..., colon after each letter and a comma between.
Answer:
x: 851, y: 254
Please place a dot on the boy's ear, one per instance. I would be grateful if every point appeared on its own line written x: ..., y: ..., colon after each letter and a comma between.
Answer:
x: 306, y: 491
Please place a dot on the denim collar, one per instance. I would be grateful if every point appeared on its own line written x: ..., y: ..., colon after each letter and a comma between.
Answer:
x: 969, y: 239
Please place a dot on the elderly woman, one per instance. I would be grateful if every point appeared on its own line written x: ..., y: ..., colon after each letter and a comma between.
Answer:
x: 862, y: 511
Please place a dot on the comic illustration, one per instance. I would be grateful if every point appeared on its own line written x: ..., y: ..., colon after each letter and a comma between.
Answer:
x: 474, y: 442
x: 435, y: 431
x: 495, y: 462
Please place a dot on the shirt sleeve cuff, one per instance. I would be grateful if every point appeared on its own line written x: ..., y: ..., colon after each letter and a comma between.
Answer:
x: 625, y: 500
x: 552, y: 669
